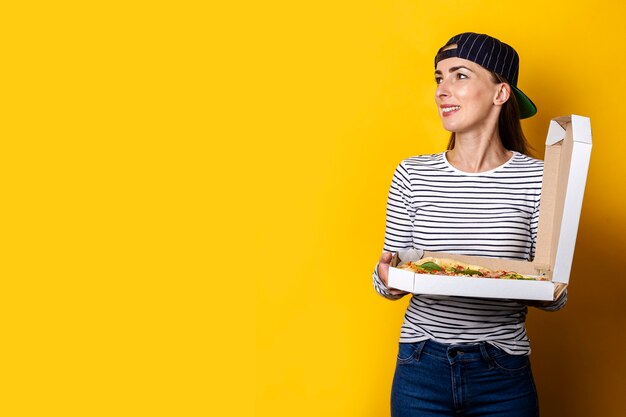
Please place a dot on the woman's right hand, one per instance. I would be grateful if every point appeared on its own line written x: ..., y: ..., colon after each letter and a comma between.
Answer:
x: 383, y: 272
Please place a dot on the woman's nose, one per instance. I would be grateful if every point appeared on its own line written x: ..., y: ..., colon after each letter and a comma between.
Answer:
x: 442, y: 90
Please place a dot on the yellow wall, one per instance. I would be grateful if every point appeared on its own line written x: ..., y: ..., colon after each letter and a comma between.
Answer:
x: 148, y: 145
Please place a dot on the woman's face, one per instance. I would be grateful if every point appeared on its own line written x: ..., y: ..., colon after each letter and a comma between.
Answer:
x: 466, y: 96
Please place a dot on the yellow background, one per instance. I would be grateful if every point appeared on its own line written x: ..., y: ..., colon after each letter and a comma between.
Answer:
x: 148, y: 146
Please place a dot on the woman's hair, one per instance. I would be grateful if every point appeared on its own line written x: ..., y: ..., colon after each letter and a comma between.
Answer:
x: 509, y: 126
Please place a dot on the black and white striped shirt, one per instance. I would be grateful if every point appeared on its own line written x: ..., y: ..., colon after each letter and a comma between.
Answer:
x: 433, y: 206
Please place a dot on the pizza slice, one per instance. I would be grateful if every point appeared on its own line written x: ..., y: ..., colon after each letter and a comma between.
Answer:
x: 450, y: 267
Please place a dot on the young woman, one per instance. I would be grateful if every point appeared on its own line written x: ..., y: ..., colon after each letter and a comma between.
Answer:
x: 462, y: 356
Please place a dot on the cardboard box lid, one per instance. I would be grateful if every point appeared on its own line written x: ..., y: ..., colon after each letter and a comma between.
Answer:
x: 566, y: 162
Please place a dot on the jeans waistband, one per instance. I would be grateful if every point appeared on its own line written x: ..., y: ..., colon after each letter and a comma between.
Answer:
x: 469, y: 351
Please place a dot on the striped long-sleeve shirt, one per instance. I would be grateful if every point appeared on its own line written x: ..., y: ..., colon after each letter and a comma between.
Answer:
x: 433, y: 206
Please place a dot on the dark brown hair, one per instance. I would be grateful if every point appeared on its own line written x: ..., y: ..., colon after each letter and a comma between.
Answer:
x: 509, y: 126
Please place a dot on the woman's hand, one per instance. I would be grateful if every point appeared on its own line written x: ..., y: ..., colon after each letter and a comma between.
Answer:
x: 559, y: 287
x: 383, y: 272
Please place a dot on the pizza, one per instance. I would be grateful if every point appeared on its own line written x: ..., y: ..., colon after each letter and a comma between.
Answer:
x: 450, y: 267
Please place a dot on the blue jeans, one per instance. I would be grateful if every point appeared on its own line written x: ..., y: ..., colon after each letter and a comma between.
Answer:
x: 470, y: 380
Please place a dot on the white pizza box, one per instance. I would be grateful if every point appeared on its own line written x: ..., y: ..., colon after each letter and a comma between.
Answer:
x: 566, y: 161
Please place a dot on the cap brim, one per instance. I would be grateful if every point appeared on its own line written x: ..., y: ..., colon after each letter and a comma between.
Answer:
x: 526, y: 107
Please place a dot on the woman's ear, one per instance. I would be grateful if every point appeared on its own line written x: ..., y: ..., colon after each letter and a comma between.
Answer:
x: 503, y: 94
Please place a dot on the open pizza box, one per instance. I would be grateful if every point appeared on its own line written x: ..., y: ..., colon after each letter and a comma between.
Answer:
x: 566, y: 161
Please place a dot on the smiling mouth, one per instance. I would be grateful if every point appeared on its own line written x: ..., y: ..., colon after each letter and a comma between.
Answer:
x: 449, y: 109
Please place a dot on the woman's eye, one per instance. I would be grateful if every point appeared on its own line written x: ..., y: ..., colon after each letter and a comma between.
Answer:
x: 461, y: 76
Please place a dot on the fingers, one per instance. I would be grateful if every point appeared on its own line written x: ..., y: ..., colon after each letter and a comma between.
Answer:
x: 383, y: 266
x: 385, y: 258
x: 559, y: 287
x: 383, y: 272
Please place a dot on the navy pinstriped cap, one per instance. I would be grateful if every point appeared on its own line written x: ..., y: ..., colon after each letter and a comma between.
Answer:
x: 493, y: 55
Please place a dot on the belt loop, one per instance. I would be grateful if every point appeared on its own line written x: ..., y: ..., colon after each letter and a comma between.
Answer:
x: 418, y: 349
x: 486, y: 356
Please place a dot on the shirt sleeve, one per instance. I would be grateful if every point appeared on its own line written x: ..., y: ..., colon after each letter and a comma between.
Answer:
x: 399, y: 223
x: 557, y: 304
